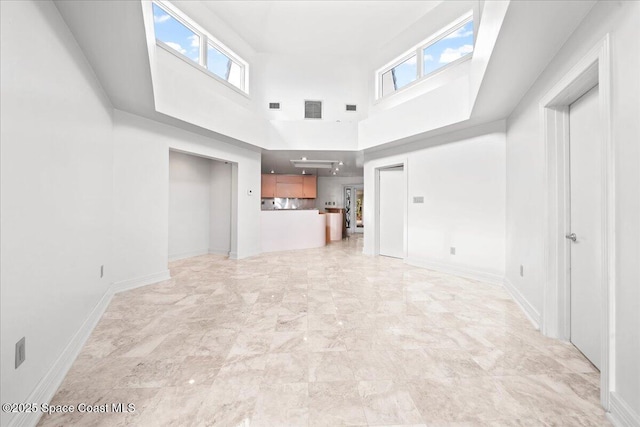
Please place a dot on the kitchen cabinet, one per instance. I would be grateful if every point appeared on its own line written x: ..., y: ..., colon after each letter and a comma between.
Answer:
x: 288, y: 190
x: 289, y: 179
x: 268, y: 189
x: 309, y: 187
x: 289, y: 186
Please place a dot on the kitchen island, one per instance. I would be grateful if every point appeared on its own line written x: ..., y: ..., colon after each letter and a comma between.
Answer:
x: 285, y: 230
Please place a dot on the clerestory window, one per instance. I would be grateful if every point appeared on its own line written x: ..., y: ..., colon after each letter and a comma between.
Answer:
x: 178, y: 34
x: 451, y: 45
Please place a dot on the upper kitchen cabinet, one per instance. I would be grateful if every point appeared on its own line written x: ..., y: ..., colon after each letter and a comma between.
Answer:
x: 289, y: 186
x: 268, y: 186
x: 309, y: 187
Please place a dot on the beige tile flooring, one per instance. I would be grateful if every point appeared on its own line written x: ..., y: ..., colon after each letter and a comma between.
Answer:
x: 325, y: 337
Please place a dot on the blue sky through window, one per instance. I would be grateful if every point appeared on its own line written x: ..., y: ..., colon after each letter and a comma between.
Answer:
x: 446, y: 50
x: 218, y: 63
x: 174, y: 34
x: 222, y: 66
x: 406, y: 72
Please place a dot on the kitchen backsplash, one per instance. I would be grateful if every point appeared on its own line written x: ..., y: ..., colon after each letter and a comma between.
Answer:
x: 285, y: 203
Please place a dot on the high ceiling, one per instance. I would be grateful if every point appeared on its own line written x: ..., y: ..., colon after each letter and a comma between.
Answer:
x: 121, y: 58
x: 320, y: 27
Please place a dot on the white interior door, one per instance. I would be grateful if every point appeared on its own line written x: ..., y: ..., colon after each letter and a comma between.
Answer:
x: 585, y: 175
x: 392, y: 213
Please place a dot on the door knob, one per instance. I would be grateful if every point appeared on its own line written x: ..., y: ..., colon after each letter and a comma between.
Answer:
x: 571, y: 236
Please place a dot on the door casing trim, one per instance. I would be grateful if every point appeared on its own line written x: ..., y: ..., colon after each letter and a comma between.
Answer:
x: 593, y: 69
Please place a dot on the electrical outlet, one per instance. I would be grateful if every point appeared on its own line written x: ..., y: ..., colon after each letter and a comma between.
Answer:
x: 20, y: 352
x: 452, y: 250
x: 101, y: 271
x: 522, y: 271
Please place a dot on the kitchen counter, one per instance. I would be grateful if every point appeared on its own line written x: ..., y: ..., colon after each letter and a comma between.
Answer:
x: 289, y: 229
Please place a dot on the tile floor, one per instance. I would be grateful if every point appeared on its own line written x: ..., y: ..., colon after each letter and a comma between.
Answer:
x: 324, y: 337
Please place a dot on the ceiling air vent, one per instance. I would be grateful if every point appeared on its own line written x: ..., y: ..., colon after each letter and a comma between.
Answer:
x: 274, y: 105
x: 312, y: 109
x: 352, y: 107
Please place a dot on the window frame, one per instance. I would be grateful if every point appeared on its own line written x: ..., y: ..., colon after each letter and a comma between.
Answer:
x: 418, y: 51
x: 206, y: 39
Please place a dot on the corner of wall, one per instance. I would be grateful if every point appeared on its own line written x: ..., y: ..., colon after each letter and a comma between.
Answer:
x: 127, y: 285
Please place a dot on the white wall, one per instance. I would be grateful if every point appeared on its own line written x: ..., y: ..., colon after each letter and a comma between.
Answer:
x: 141, y: 199
x: 331, y: 189
x: 183, y: 91
x: 220, y: 208
x: 526, y: 190
x: 443, y: 106
x: 292, y: 79
x: 189, y: 205
x: 56, y: 178
x: 463, y: 185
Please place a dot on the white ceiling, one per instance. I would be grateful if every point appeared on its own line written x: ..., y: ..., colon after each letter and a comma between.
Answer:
x: 280, y: 162
x: 320, y: 27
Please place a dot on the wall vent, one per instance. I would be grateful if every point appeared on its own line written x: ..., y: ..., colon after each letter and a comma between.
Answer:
x: 274, y: 105
x: 312, y: 109
x: 352, y: 107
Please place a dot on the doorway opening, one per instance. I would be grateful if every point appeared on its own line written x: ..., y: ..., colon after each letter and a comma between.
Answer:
x: 200, y: 206
x: 391, y: 212
x: 353, y: 203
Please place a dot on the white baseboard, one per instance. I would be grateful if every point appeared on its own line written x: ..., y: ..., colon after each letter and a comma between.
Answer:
x: 466, y: 272
x: 224, y: 252
x: 620, y: 413
x: 190, y: 254
x: 126, y: 285
x: 532, y: 314
x: 48, y: 385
